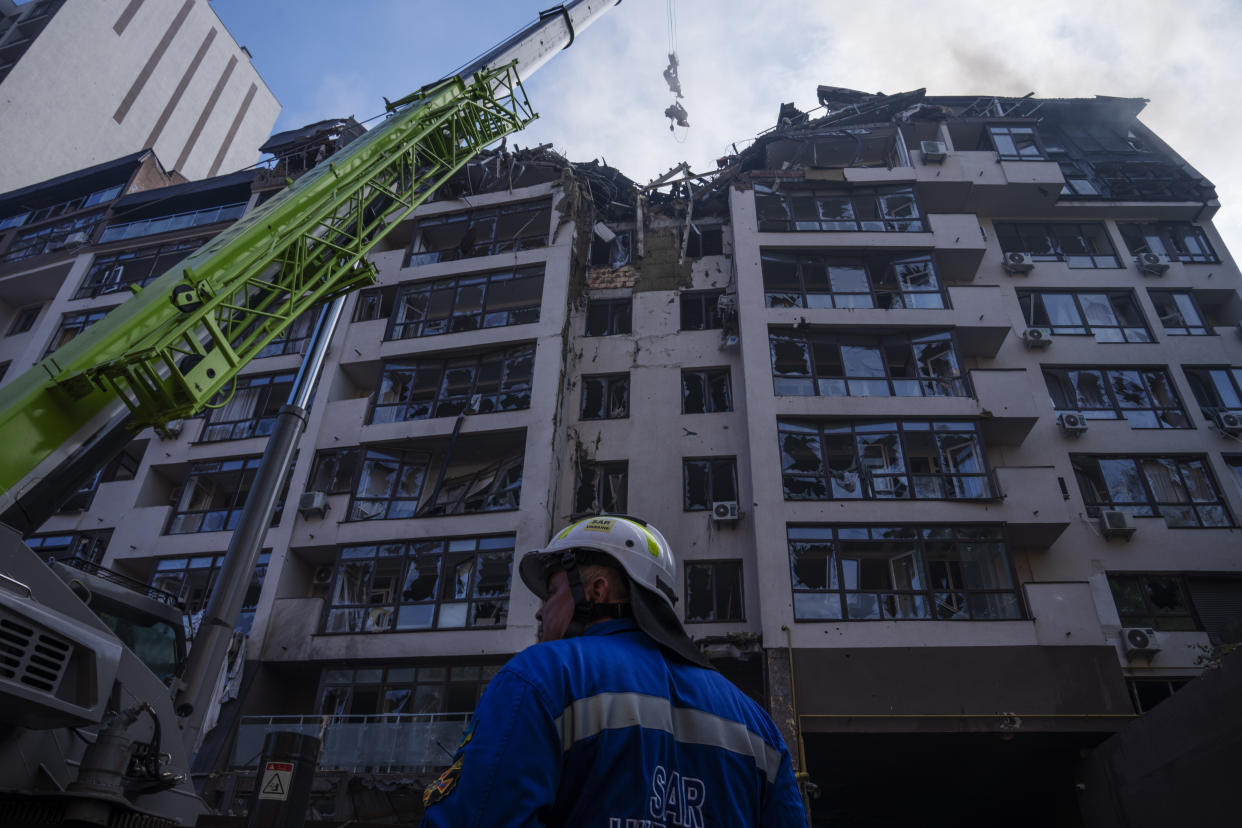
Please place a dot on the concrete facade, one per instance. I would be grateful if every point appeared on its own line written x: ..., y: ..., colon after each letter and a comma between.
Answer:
x: 85, y: 81
x: 916, y: 580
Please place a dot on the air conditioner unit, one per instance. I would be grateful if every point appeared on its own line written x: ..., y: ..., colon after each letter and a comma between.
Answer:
x: 1139, y: 641
x: 934, y: 151
x: 313, y: 503
x: 1037, y: 338
x: 730, y: 342
x: 323, y: 575
x: 1228, y: 420
x: 171, y: 430
x: 1018, y: 263
x: 1072, y: 423
x: 75, y: 239
x: 1152, y: 264
x: 1115, y: 523
x: 723, y: 510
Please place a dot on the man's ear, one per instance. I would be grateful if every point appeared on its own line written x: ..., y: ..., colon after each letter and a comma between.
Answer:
x: 598, y: 589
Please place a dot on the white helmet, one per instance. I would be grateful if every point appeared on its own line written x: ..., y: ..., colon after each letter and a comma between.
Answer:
x: 641, y: 552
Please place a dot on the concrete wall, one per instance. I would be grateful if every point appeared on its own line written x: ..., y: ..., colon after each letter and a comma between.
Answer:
x: 172, y: 78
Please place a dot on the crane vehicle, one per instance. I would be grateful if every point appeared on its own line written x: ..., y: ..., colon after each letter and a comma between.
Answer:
x: 90, y: 734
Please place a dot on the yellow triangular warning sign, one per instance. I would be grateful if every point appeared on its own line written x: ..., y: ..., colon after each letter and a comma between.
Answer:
x: 274, y: 785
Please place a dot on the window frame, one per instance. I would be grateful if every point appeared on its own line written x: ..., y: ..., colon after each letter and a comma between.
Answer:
x: 953, y: 589
x: 24, y: 319
x: 704, y: 303
x: 877, y: 295
x: 473, y: 220
x: 898, y: 479
x: 1026, y: 304
x: 72, y: 325
x: 1203, y: 378
x: 1095, y: 501
x: 713, y: 565
x: 152, y: 262
x: 610, y: 383
x: 342, y: 481
x: 1008, y: 130
x: 867, y: 209
x: 378, y: 608
x: 712, y: 466
x: 708, y: 378
x: 1108, y: 387
x: 391, y: 678
x: 812, y: 340
x: 601, y: 471
x: 1171, y: 236
x: 485, y: 316
x: 1032, y: 237
x: 618, y: 316
x: 245, y: 468
x: 1162, y: 298
x: 213, y: 563
x: 271, y: 394
x: 511, y: 392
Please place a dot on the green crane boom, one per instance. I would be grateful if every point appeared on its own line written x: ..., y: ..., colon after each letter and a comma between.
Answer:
x: 169, y: 349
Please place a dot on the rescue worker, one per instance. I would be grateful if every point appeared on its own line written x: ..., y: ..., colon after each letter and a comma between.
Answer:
x: 616, y: 720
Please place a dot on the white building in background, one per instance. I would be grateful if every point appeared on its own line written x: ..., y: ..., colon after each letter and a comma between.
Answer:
x: 86, y: 81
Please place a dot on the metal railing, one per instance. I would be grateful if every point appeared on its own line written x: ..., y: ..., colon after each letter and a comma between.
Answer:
x: 177, y: 221
x: 362, y: 744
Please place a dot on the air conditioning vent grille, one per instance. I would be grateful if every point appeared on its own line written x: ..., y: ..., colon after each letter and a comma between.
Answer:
x: 32, y: 657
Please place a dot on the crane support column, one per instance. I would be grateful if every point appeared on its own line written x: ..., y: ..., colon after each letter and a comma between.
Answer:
x: 215, y: 630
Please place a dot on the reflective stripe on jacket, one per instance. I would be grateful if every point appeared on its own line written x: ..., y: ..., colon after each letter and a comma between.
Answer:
x: 605, y: 730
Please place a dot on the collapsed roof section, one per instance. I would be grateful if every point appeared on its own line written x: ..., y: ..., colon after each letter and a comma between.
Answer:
x: 1104, y: 152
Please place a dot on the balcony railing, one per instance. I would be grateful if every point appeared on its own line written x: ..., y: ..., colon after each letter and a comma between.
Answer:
x: 177, y: 221
x: 362, y: 744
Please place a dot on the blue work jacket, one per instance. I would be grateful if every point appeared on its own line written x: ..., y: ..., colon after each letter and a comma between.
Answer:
x: 606, y: 730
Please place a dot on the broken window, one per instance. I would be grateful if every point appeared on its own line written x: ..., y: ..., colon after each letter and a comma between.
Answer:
x: 707, y: 481
x: 871, y: 209
x: 1145, y: 397
x: 903, y: 459
x: 1016, y: 143
x: 467, y: 303
x: 86, y: 546
x: 608, y: 317
x: 430, y: 689
x: 804, y: 279
x: 494, y: 487
x: 1078, y: 244
x: 1178, y: 488
x: 192, y: 579
x: 479, y: 384
x: 1216, y: 388
x: 72, y: 324
x: 249, y: 411
x: 714, y: 591
x: 1139, y: 181
x: 426, y: 584
x: 1180, y: 314
x: 1179, y: 240
x: 390, y: 483
x: 601, y: 488
x: 375, y: 303
x: 24, y: 320
x: 706, y: 391
x: 820, y: 363
x: 79, y: 202
x: 706, y: 240
x: 1109, y: 316
x: 214, y: 495
x: 293, y: 339
x: 176, y: 221
x: 123, y: 466
x: 605, y: 397
x: 333, y: 471
x: 70, y: 233
x: 700, y: 310
x: 862, y: 573
x: 1146, y: 693
x: 484, y: 232
x: 617, y: 251
x: 118, y: 271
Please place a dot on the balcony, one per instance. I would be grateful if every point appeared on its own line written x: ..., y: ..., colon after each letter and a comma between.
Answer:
x: 177, y: 221
x: 977, y: 182
x: 411, y: 743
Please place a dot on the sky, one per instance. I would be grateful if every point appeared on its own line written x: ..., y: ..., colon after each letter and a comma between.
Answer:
x: 740, y: 59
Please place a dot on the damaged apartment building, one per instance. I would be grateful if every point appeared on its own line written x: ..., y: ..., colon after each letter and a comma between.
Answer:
x: 938, y: 400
